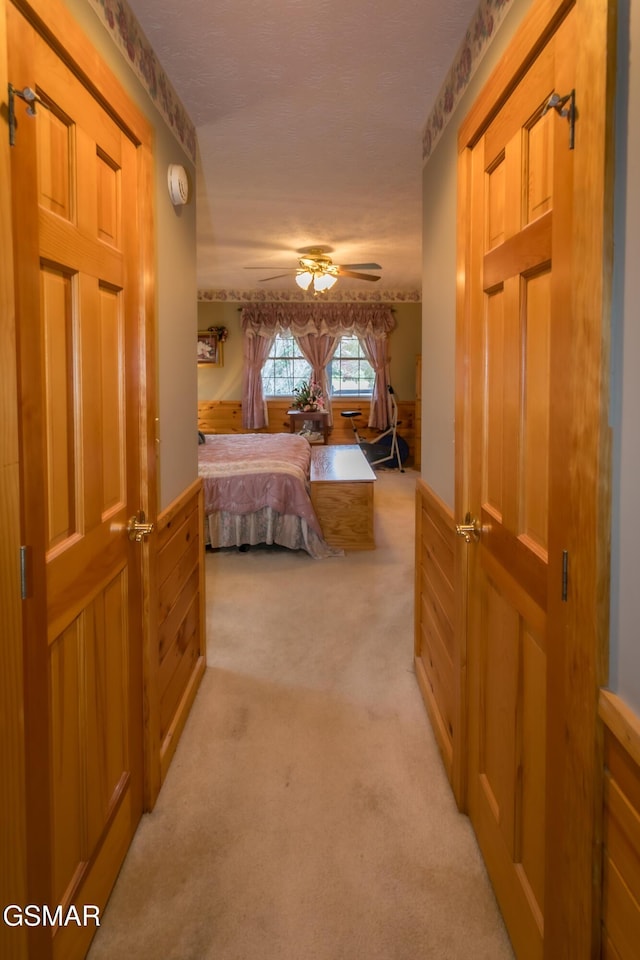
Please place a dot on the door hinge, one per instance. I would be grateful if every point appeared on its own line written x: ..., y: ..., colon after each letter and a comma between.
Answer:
x: 25, y: 567
x: 565, y: 575
x: 564, y: 107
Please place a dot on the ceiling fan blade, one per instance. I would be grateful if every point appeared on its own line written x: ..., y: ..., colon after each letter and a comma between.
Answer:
x: 277, y: 277
x: 356, y: 276
x: 271, y: 268
x: 359, y: 266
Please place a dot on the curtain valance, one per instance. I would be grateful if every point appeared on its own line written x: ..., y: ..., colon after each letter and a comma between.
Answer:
x: 322, y: 319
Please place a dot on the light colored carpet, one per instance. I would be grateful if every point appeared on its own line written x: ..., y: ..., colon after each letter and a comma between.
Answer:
x: 306, y: 815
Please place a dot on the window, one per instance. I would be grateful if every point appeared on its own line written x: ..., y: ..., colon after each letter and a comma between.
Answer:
x: 350, y: 373
x: 284, y: 368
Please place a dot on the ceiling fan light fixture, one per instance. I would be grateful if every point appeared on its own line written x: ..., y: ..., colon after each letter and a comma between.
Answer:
x: 317, y: 273
x: 303, y: 279
x: 324, y: 282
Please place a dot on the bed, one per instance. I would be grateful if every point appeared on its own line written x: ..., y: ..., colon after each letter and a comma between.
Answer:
x: 256, y: 490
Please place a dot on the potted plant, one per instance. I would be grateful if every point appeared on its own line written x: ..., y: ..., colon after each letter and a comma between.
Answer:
x: 308, y: 396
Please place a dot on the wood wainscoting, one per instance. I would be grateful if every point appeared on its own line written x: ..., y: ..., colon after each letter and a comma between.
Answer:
x: 435, y: 655
x: 225, y: 416
x: 621, y: 835
x: 178, y: 660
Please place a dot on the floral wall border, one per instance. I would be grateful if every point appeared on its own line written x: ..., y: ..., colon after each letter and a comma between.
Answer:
x: 284, y: 296
x: 127, y: 35
x: 484, y: 25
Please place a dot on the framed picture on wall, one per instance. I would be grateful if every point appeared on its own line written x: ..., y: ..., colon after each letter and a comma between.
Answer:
x: 210, y: 348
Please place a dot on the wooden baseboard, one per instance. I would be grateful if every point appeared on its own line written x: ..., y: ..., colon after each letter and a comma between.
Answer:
x: 622, y: 722
x: 443, y: 738
x: 436, y: 662
x: 177, y: 661
x: 621, y: 829
x: 172, y: 737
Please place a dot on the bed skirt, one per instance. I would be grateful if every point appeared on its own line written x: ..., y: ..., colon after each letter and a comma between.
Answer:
x: 266, y: 526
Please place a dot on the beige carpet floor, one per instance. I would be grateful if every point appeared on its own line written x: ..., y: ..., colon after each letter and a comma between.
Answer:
x: 306, y: 815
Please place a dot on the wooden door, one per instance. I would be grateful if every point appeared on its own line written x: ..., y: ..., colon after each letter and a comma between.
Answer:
x: 519, y: 261
x: 76, y: 235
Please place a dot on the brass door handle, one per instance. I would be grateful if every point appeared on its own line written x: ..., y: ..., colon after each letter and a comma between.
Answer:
x: 137, y: 528
x: 470, y: 529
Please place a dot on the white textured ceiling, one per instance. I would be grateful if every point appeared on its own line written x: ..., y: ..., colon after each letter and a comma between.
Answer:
x: 309, y: 119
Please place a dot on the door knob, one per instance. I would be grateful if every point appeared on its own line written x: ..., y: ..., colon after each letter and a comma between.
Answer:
x: 137, y: 528
x: 469, y: 529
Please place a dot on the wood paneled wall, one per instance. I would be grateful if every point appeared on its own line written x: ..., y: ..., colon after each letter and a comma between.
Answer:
x: 179, y: 659
x: 621, y: 859
x: 225, y: 416
x: 435, y: 653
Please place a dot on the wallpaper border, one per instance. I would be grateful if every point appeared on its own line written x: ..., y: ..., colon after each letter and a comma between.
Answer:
x: 483, y: 27
x: 286, y: 296
x: 128, y: 36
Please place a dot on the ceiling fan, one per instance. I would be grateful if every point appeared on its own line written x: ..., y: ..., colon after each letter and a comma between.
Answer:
x: 317, y: 270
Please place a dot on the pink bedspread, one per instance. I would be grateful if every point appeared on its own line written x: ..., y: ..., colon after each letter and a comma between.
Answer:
x: 247, y: 471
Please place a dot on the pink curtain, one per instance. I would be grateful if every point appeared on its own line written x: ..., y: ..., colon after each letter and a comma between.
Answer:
x: 321, y: 322
x: 318, y: 350
x: 256, y: 350
x: 334, y: 319
x: 377, y: 353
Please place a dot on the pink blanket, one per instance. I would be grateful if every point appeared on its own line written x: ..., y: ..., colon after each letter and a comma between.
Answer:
x: 247, y: 471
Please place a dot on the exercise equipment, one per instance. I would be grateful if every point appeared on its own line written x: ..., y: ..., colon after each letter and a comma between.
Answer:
x: 387, y: 449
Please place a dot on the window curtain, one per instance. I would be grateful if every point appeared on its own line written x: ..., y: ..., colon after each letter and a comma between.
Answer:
x: 333, y: 319
x: 318, y: 349
x: 377, y: 353
x: 256, y: 350
x: 370, y: 322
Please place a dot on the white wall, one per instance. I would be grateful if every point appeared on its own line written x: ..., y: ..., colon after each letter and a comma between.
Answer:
x: 225, y: 383
x: 625, y: 400
x: 439, y: 318
x: 177, y: 326
x: 176, y: 287
x: 221, y: 383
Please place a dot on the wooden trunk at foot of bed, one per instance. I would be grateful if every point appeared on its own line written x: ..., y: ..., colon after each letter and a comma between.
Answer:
x: 342, y: 496
x: 225, y: 416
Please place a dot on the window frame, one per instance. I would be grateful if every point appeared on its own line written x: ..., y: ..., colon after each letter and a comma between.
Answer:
x: 270, y: 380
x: 360, y: 359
